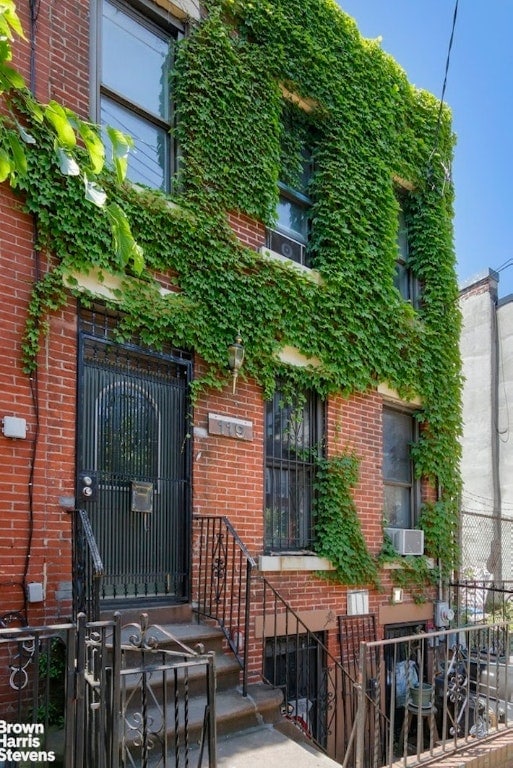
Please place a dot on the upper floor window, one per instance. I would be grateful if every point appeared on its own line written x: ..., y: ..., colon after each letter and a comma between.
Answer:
x: 290, y: 233
x: 134, y: 92
x: 405, y: 281
x: 293, y: 435
x: 401, y: 489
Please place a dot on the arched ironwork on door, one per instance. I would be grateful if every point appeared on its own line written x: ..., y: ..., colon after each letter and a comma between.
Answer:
x: 134, y: 453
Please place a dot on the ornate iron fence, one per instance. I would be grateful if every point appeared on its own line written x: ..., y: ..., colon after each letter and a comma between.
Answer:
x: 317, y: 689
x: 38, y: 665
x: 441, y: 691
x: 99, y: 695
x: 319, y: 694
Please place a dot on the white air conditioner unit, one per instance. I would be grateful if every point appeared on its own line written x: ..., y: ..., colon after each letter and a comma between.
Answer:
x: 286, y: 246
x: 407, y: 541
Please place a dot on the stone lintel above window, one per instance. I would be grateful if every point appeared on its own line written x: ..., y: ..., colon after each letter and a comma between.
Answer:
x: 403, y: 183
x: 304, y: 103
x: 393, y: 397
x: 180, y: 9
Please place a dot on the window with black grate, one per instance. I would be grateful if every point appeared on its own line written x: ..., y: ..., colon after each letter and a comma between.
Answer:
x: 293, y: 440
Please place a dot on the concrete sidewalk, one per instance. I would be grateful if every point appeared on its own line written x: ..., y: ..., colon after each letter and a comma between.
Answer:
x: 265, y: 747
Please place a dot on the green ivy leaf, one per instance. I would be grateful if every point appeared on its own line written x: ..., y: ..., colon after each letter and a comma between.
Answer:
x: 121, y: 145
x: 35, y: 110
x: 125, y: 247
x: 58, y: 117
x: 18, y: 154
x: 10, y: 78
x: 93, y: 145
x: 5, y: 165
x: 9, y: 20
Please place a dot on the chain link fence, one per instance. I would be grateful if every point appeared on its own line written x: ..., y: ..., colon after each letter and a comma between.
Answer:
x: 486, y: 544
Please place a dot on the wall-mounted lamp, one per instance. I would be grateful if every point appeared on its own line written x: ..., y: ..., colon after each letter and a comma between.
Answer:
x: 235, y: 359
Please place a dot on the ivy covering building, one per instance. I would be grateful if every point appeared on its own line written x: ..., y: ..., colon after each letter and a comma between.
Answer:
x: 286, y: 189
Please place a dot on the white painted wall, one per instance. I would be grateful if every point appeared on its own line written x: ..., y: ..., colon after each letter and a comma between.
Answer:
x: 505, y: 429
x: 477, y: 347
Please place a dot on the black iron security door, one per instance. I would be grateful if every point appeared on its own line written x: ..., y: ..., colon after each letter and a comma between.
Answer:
x: 133, y: 462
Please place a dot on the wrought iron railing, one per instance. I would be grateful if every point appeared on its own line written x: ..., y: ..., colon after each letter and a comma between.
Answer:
x: 442, y: 691
x: 88, y: 568
x: 318, y: 692
x: 134, y: 698
x: 102, y: 694
x: 320, y: 695
x: 221, y: 588
x: 36, y: 683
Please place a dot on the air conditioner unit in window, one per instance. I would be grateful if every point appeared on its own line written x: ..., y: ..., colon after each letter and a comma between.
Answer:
x: 407, y: 541
x: 286, y: 246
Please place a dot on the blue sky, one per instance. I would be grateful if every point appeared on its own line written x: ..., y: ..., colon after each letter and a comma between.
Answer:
x: 479, y: 91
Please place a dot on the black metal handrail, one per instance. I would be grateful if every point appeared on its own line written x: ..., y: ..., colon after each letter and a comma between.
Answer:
x: 133, y: 695
x: 320, y: 695
x: 320, y: 698
x: 221, y: 588
x: 88, y: 570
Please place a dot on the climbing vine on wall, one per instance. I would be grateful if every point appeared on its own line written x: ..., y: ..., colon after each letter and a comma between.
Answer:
x: 337, y: 528
x: 370, y: 133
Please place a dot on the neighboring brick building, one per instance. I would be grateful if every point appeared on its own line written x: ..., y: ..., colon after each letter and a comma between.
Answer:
x: 368, y: 319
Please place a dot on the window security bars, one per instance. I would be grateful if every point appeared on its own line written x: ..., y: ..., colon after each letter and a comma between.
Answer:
x: 293, y: 434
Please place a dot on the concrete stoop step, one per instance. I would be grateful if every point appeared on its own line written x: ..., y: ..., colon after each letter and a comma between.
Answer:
x: 234, y: 712
x: 179, y: 638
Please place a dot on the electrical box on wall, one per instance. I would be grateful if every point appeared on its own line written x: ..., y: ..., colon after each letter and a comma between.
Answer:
x: 35, y: 592
x: 13, y: 426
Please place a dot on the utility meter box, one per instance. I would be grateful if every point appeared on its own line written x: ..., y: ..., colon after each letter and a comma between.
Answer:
x: 443, y: 614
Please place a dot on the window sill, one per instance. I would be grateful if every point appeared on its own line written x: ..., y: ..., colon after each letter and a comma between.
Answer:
x: 102, y: 283
x: 278, y: 563
x: 396, y: 564
x: 312, y: 274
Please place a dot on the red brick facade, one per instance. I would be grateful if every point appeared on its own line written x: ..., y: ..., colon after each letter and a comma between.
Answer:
x: 37, y: 473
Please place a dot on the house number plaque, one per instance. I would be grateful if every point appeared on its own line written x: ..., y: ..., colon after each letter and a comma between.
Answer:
x: 228, y: 426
